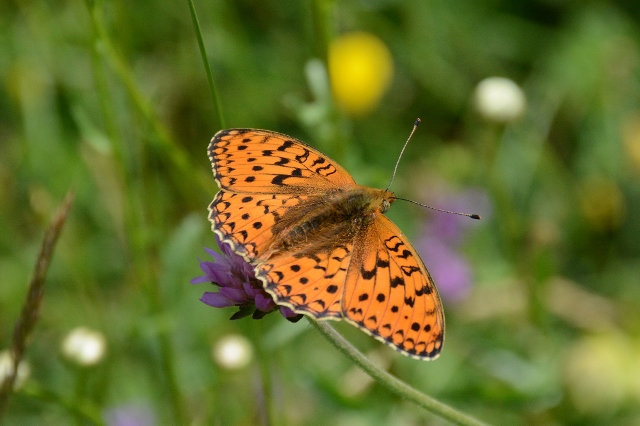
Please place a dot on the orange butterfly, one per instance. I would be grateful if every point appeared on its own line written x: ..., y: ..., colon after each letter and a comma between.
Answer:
x: 319, y: 242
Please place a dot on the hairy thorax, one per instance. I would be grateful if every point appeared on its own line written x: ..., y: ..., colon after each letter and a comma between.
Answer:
x: 328, y: 220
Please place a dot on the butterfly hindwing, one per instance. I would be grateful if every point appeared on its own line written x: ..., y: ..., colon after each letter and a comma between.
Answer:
x: 390, y: 294
x: 309, y: 283
x: 261, y: 161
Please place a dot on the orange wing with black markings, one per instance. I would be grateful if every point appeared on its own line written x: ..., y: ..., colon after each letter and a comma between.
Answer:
x: 261, y: 161
x: 390, y: 294
x: 319, y: 242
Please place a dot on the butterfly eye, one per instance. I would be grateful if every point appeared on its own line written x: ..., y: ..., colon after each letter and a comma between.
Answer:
x: 385, y: 206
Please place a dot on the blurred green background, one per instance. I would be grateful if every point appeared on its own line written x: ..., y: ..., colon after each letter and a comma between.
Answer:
x: 111, y: 99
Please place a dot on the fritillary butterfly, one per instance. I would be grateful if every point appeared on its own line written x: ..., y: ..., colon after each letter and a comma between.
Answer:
x: 319, y: 242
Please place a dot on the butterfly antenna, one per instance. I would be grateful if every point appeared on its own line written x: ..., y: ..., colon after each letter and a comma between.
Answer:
x: 472, y: 216
x: 415, y: 126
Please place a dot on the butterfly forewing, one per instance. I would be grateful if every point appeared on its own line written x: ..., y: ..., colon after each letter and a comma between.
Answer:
x: 246, y: 221
x: 261, y: 161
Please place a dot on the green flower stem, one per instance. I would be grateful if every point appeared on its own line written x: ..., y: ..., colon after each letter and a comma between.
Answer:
x: 80, y: 392
x: 263, y: 359
x: 390, y: 382
x: 212, y: 86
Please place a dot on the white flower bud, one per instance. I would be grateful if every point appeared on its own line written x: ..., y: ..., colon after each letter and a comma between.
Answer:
x: 233, y: 352
x: 84, y: 346
x: 6, y: 366
x: 499, y: 99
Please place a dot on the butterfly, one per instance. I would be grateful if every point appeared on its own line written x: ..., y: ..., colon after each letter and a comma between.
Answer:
x: 319, y: 242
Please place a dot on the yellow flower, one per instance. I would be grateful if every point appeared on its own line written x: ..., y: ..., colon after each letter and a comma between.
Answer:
x: 360, y: 69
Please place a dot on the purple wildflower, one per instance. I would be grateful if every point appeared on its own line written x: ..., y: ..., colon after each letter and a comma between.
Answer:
x: 237, y: 286
x: 449, y: 269
x: 451, y: 228
x: 442, y: 236
x: 130, y: 415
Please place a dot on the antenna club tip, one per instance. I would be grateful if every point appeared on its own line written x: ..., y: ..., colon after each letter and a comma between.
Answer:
x: 417, y: 123
x: 475, y: 216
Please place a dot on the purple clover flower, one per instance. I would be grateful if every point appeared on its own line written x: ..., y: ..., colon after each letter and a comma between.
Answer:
x: 237, y: 286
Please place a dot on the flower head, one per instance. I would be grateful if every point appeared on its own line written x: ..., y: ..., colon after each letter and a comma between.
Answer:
x: 441, y: 237
x: 237, y: 286
x: 360, y: 70
x: 130, y: 415
x: 6, y: 369
x: 499, y: 99
x: 84, y: 346
x: 449, y: 269
x: 233, y: 352
x: 451, y: 228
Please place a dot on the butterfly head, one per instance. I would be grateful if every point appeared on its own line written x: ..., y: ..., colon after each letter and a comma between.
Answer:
x: 386, y: 205
x: 364, y: 200
x: 388, y: 197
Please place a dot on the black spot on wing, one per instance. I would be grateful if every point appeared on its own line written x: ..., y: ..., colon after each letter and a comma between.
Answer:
x: 405, y: 254
x: 396, y: 281
x: 317, y: 161
x: 320, y: 302
x: 393, y: 246
x: 332, y: 169
x: 409, y: 270
x: 285, y: 145
x: 279, y: 179
x: 367, y: 274
x: 303, y: 157
x: 426, y: 289
x: 381, y: 263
